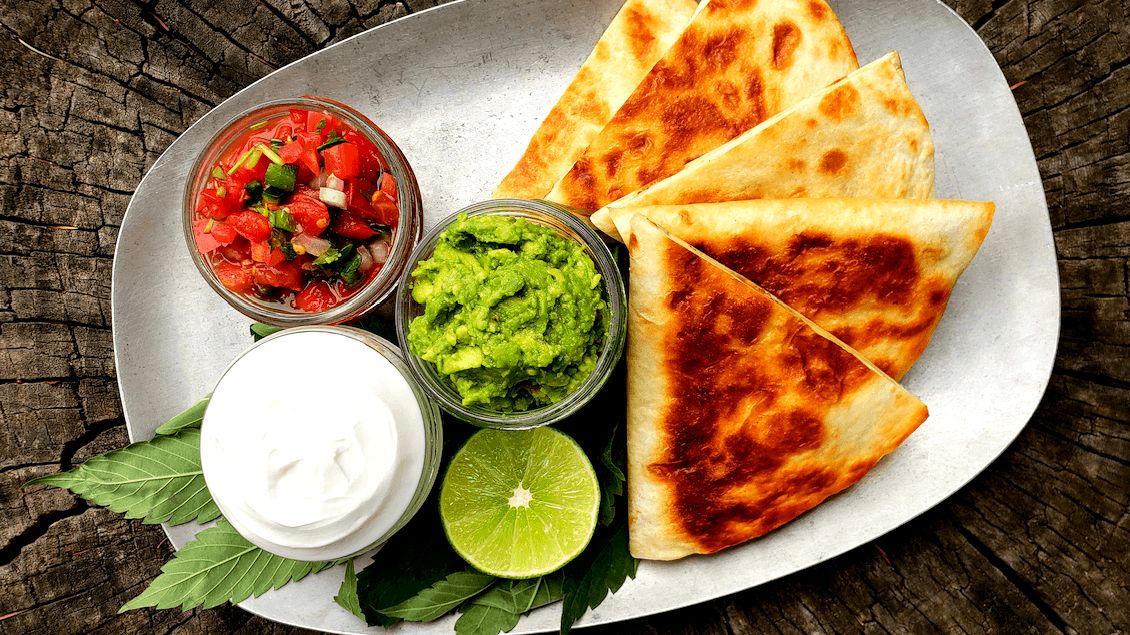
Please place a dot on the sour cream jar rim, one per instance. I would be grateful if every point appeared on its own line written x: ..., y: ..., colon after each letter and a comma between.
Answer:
x: 432, y: 441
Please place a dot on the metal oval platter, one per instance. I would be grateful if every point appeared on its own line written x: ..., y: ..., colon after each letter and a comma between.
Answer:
x: 461, y: 87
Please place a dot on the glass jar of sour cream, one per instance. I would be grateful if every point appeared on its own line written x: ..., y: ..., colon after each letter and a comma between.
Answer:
x: 317, y: 444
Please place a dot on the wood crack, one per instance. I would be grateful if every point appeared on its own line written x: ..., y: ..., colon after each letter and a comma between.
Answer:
x: 989, y: 15
x: 1016, y: 580
x: 37, y: 530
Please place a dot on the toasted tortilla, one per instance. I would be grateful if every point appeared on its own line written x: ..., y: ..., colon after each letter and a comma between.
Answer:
x: 736, y: 64
x: 876, y: 273
x: 864, y: 137
x: 635, y: 39
x: 742, y: 414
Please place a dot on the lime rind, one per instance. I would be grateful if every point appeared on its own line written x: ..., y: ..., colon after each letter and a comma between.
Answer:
x: 547, y: 474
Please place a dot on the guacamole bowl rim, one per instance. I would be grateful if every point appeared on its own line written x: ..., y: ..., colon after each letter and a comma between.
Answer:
x: 614, y: 292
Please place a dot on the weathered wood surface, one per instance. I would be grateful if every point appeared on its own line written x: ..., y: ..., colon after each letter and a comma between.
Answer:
x: 1040, y: 543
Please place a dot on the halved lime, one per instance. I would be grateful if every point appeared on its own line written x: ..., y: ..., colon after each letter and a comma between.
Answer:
x: 519, y: 503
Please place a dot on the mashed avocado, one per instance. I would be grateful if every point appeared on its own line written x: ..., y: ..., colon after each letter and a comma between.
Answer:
x: 513, y: 313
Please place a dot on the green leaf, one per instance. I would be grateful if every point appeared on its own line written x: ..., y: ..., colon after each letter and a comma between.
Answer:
x: 515, y: 596
x: 552, y: 589
x: 416, y: 557
x: 479, y: 619
x: 190, y: 418
x: 349, y: 270
x: 602, y: 567
x: 614, y: 460
x: 346, y: 597
x: 331, y: 255
x: 219, y: 566
x: 260, y: 330
x: 378, y: 325
x: 606, y: 442
x: 159, y: 480
x: 441, y: 597
x: 498, y: 609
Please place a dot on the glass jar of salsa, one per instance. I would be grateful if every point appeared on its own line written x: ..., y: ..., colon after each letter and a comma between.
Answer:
x: 302, y: 211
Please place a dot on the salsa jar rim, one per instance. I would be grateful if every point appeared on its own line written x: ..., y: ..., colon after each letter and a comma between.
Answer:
x: 408, y: 232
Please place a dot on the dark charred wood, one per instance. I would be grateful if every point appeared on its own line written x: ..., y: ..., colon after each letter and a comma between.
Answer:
x: 93, y: 91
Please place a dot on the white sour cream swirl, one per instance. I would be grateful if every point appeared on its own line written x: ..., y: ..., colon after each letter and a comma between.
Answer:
x: 313, y: 445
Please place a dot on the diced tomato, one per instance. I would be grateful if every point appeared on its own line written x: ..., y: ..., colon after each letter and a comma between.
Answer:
x: 317, y: 296
x: 321, y: 124
x: 291, y: 152
x: 243, y: 175
x: 309, y: 157
x: 281, y: 131
x: 310, y: 213
x: 359, y: 195
x: 371, y: 161
x: 385, y: 209
x: 234, y: 276
x: 388, y: 186
x: 342, y: 160
x: 285, y: 274
x: 212, y: 205
x: 238, y: 251
x: 223, y: 232
x: 263, y: 252
x: 251, y: 225
x: 306, y: 190
x: 349, y: 225
x: 205, y: 241
x: 298, y: 117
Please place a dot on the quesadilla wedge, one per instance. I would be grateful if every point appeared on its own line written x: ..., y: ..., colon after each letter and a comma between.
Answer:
x: 742, y: 414
x: 864, y: 136
x: 635, y: 39
x: 736, y: 64
x: 876, y: 273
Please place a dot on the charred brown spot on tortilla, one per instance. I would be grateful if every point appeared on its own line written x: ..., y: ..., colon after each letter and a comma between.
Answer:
x: 582, y: 190
x: 591, y: 106
x: 833, y: 162
x: 640, y: 144
x: 822, y: 278
x: 755, y: 94
x: 840, y: 103
x: 815, y: 274
x: 915, y: 329
x: 721, y: 50
x: 726, y: 424
x: 692, y: 118
x: 817, y: 10
x: 786, y: 38
x: 641, y: 32
x: 729, y: 95
x: 724, y: 6
x: 860, y: 468
x: 612, y: 162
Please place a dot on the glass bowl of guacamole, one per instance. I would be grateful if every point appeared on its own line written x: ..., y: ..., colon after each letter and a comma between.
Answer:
x: 513, y: 312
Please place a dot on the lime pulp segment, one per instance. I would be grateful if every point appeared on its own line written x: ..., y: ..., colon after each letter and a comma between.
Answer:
x: 519, y: 504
